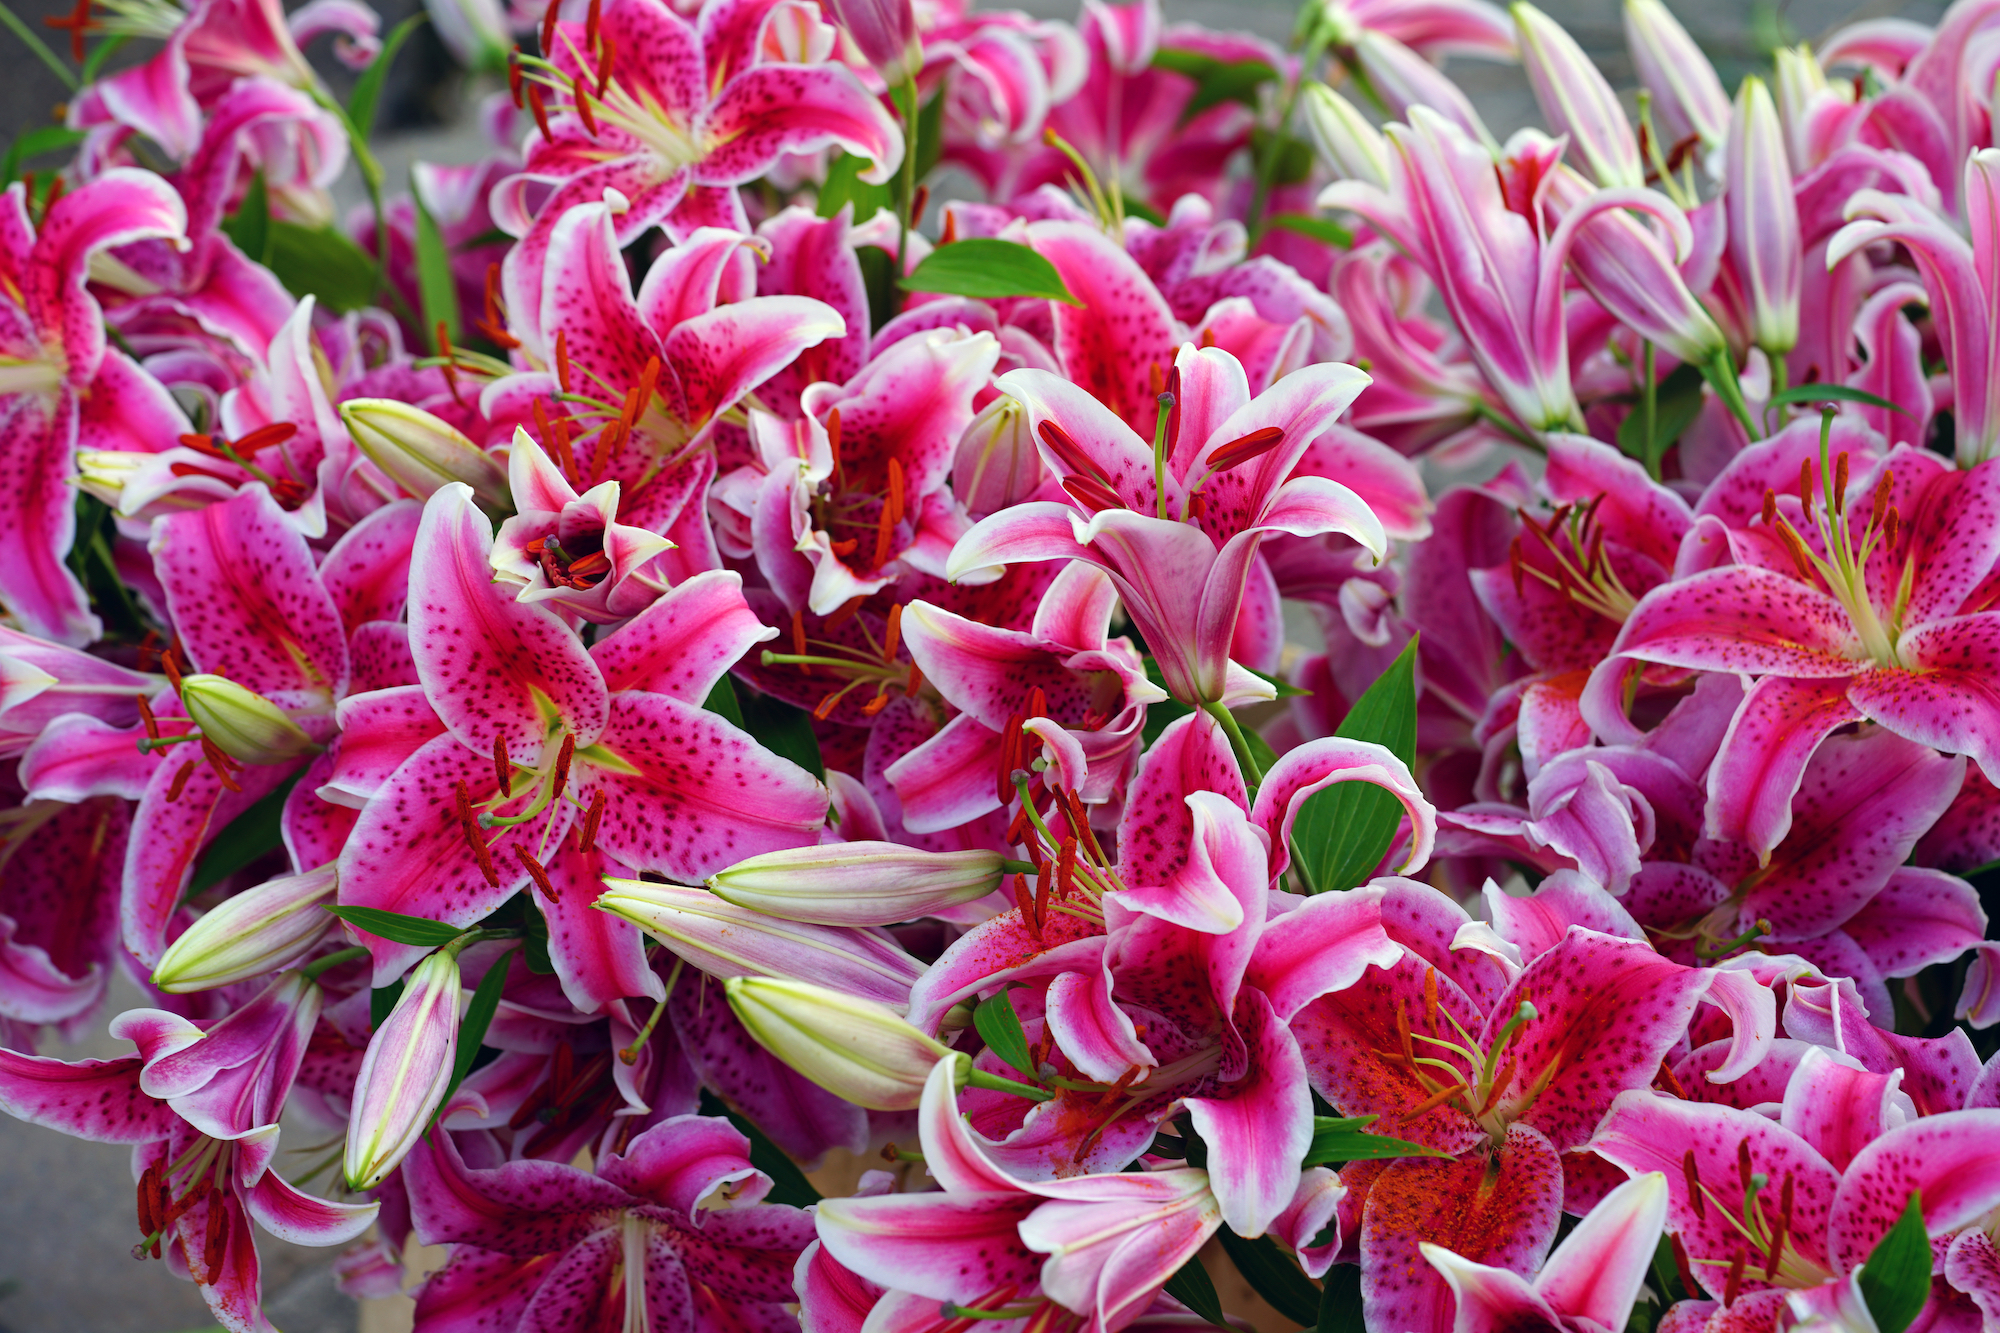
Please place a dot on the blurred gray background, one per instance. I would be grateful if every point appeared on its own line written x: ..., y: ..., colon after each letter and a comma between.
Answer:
x: 66, y: 1214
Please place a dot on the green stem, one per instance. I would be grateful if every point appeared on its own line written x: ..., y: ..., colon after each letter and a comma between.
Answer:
x: 979, y: 1078
x: 318, y: 967
x: 1267, y: 162
x: 1239, y: 744
x: 37, y: 45
x: 1651, y: 402
x: 907, y: 201
x: 1720, y: 371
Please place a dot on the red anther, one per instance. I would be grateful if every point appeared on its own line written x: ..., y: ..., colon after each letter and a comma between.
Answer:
x: 1208, y: 337
x: 1019, y: 828
x: 536, y: 873
x: 469, y: 823
x: 1196, y: 506
x: 1880, y: 502
x: 1091, y: 493
x: 1806, y: 486
x: 885, y: 532
x: 170, y: 664
x: 1891, y: 529
x: 915, y: 682
x: 530, y: 1108
x: 514, y: 78
x: 919, y: 202
x: 1795, y: 545
x: 565, y: 456
x: 503, y: 772
x: 1025, y: 902
x: 1734, y: 1284
x: 1038, y: 702
x: 1078, y: 819
x: 590, y: 21
x: 276, y: 432
x: 1070, y: 452
x: 1744, y: 1169
x: 1681, y: 1263
x: 562, y: 360
x: 843, y: 612
x: 876, y: 704
x: 1244, y: 448
x: 1066, y: 864
x: 1840, y: 484
x: 1770, y: 508
x: 146, y: 717
x: 950, y: 232
x: 202, y: 444
x: 833, y: 444
x: 221, y: 763
x: 1431, y: 999
x: 581, y: 97
x: 1045, y: 880
x: 648, y: 378
x: 828, y: 702
x: 541, y: 114
x: 450, y: 366
x: 150, y: 1201
x: 844, y: 547
x: 1501, y: 1081
x: 1154, y: 379
x: 180, y: 782
x: 1673, y: 1083
x: 563, y: 756
x: 896, y: 491
x: 78, y: 23
x: 1696, y: 1198
x: 215, y: 1244
x: 606, y: 46
x: 1010, y: 756
x: 892, y: 633
x: 1778, y: 1236
x: 549, y: 29
x: 587, y: 843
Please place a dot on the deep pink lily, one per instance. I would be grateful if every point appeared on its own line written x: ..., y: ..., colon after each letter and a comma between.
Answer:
x: 670, y: 1230
x: 1177, y: 526
x: 62, y: 387
x: 58, y: 910
x: 570, y: 550
x: 672, y: 115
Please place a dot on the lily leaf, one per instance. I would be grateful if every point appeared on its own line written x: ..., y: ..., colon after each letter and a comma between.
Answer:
x: 1896, y: 1279
x: 986, y: 268
x: 420, y: 931
x: 1343, y: 832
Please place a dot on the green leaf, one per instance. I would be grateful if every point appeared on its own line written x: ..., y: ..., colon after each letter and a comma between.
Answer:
x: 254, y: 833
x: 420, y: 931
x: 478, y: 1017
x: 535, y: 948
x: 782, y: 729
x: 1896, y: 1279
x: 368, y: 88
x: 250, y: 225
x: 1666, y: 1276
x: 1273, y: 1276
x: 845, y: 186
x: 1343, y: 831
x: 1000, y: 1027
x: 986, y: 267
x: 1192, y: 1287
x: 321, y: 262
x: 1344, y: 1141
x: 437, y: 289
x: 930, y: 136
x: 721, y: 701
x: 1676, y: 403
x: 1295, y: 156
x: 382, y: 1001
x: 1820, y: 393
x: 1215, y: 81
x: 788, y: 1184
x: 1324, y: 230
x: 1340, y: 1300
x: 30, y: 144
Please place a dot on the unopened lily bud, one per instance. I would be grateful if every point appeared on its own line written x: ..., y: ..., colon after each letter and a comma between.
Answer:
x: 856, y: 1050
x: 1688, y: 99
x: 1404, y: 79
x: 1804, y: 95
x: 859, y: 883
x: 421, y: 453
x: 725, y: 940
x: 1763, y: 219
x: 997, y: 464
x: 1577, y: 101
x: 405, y: 1073
x: 244, y: 725
x: 1348, y: 140
x: 886, y: 32
x: 259, y: 930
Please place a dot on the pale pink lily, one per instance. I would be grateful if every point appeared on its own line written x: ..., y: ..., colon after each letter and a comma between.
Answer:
x: 670, y: 1231
x: 1185, y: 938
x: 516, y: 733
x: 672, y: 115
x: 1764, y: 251
x: 1480, y: 237
x: 201, y: 1108
x: 1177, y: 526
x: 1111, y: 1241
x: 62, y: 387
x: 1590, y: 1282
x: 1863, y: 614
x: 1093, y: 686
x: 1954, y: 271
x: 1688, y: 100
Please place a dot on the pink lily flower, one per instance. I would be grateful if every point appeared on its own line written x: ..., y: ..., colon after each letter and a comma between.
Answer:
x: 62, y: 387
x: 1870, y: 616
x: 1093, y: 686
x: 1765, y: 1208
x: 1111, y: 1241
x: 58, y: 910
x: 672, y: 115
x: 854, y: 495
x: 1481, y: 239
x: 670, y: 1231
x: 1591, y: 1281
x: 201, y: 1108
x: 1177, y: 526
x: 1503, y: 1065
x: 569, y: 550
x: 1184, y: 938
x: 536, y: 733
x: 1951, y: 267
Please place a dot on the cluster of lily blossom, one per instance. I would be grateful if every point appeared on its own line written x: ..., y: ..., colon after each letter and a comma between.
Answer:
x: 716, y: 662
